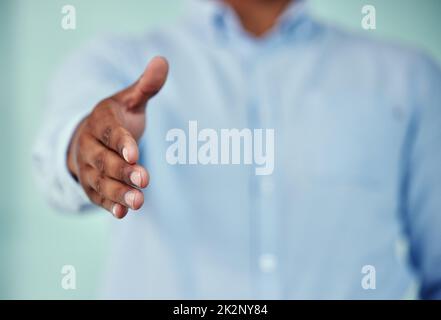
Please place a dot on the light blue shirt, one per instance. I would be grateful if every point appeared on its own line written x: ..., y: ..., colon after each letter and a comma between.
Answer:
x: 357, y: 162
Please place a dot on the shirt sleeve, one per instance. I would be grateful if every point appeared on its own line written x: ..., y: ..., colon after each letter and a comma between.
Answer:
x: 90, y: 75
x: 422, y: 189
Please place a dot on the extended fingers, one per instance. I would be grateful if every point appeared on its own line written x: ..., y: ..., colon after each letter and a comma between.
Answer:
x: 119, y: 211
x: 110, y: 164
x: 113, y: 190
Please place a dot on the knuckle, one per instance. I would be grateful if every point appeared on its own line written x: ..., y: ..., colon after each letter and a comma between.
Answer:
x: 106, y: 135
x: 100, y: 107
x: 100, y: 161
x: 89, y: 125
x: 99, y: 184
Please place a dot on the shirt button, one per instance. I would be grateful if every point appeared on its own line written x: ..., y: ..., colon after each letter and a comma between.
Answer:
x: 267, y: 186
x: 267, y: 263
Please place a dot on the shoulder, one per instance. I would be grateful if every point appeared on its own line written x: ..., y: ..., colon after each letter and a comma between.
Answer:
x: 371, y: 51
x: 366, y: 61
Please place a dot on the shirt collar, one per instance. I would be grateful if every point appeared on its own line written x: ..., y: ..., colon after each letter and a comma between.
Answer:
x: 218, y: 18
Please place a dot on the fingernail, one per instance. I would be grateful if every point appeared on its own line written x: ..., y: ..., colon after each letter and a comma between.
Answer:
x: 125, y: 153
x: 114, y: 208
x: 129, y: 198
x: 135, y: 177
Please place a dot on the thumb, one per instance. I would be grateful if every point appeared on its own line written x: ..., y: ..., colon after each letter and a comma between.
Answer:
x: 147, y: 86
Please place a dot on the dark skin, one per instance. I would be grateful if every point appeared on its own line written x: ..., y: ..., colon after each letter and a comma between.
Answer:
x: 103, y: 152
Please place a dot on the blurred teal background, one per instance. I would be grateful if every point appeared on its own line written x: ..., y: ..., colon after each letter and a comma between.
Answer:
x: 35, y: 240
